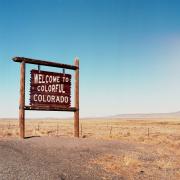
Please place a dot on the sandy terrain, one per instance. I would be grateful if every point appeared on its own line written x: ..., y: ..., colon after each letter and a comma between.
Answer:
x: 110, y: 149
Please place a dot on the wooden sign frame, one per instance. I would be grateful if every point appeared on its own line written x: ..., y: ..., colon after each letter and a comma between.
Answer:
x: 22, y: 107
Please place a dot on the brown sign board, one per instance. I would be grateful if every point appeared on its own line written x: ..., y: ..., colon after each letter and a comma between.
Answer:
x: 50, y: 89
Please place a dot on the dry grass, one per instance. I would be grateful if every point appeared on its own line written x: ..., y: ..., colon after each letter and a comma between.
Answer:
x: 156, y: 131
x: 118, y: 164
x: 134, y: 164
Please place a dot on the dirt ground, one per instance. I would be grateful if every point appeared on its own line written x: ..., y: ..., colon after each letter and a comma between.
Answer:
x: 107, y: 149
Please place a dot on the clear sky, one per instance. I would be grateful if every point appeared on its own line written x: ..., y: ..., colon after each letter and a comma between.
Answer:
x: 129, y: 52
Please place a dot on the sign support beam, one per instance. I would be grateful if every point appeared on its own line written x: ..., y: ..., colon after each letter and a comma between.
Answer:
x: 22, y: 100
x: 76, y: 100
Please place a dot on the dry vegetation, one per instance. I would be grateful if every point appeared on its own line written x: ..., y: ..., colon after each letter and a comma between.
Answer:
x: 161, y: 136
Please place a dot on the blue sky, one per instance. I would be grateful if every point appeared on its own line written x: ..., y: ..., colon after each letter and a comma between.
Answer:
x: 129, y: 52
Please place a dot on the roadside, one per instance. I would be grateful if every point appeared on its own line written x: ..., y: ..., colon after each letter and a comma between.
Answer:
x: 89, y: 158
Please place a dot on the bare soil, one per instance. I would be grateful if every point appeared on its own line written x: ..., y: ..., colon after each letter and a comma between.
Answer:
x: 85, y: 158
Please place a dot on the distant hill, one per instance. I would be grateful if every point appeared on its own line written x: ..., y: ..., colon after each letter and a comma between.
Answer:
x: 151, y: 115
x: 120, y: 116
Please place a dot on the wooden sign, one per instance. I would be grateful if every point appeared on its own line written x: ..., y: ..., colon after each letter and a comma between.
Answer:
x: 50, y: 89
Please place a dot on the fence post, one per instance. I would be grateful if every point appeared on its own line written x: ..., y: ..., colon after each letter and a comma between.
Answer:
x: 76, y: 100
x: 22, y: 100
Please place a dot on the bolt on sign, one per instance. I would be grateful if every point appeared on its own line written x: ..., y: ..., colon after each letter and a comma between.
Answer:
x: 50, y: 89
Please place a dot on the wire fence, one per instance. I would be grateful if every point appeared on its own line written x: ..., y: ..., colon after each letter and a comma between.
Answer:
x: 98, y: 129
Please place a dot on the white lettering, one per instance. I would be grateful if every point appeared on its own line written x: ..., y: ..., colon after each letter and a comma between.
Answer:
x: 67, y: 79
x: 35, y: 96
x: 47, y: 77
x: 41, y: 79
x: 62, y: 99
x: 58, y: 79
x: 66, y: 99
x: 57, y: 99
x: 53, y: 98
x: 48, y: 98
x: 40, y: 98
x: 36, y: 79
x: 39, y: 88
x: 42, y: 88
x: 54, y: 79
x: 53, y: 88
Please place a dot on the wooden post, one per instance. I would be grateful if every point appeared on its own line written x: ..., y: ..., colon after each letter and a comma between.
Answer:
x: 76, y: 99
x: 22, y: 100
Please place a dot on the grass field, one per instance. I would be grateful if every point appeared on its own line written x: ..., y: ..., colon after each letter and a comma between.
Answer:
x: 146, y: 131
x: 161, y: 135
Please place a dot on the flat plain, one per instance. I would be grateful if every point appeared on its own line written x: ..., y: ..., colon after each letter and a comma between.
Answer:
x: 108, y: 148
